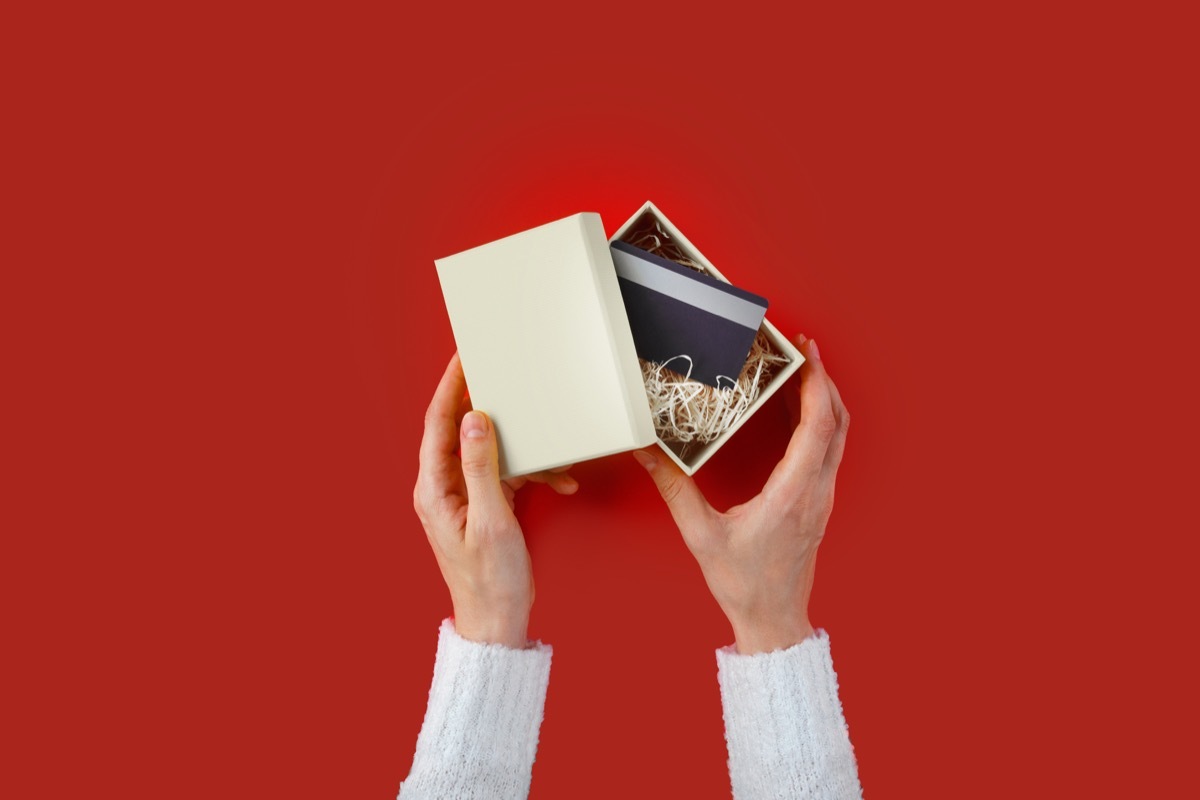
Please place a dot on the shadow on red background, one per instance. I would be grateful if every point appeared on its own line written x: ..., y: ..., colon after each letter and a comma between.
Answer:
x: 229, y: 325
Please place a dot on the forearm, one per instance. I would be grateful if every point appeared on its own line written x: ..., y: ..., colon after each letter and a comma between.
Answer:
x: 784, y: 726
x: 480, y: 733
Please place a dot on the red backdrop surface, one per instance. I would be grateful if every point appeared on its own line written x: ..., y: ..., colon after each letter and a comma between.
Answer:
x: 227, y: 327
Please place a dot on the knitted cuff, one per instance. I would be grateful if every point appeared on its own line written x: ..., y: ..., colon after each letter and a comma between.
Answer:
x: 784, y: 727
x: 481, y: 726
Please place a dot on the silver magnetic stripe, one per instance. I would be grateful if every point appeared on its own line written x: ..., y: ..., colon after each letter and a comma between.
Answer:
x: 694, y: 293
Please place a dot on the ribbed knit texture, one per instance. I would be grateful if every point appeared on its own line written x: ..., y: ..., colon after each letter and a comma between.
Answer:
x: 784, y: 727
x: 481, y: 726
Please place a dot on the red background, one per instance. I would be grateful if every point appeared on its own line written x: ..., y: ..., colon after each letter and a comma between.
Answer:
x: 226, y: 325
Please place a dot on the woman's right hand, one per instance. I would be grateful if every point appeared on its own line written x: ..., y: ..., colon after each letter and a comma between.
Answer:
x: 759, y: 558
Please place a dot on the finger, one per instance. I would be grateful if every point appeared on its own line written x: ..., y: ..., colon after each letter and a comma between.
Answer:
x: 438, y: 465
x: 558, y: 481
x: 510, y: 495
x: 481, y: 468
x: 463, y: 407
x: 516, y: 483
x: 837, y: 445
x: 562, y: 483
x: 683, y: 497
x: 810, y: 441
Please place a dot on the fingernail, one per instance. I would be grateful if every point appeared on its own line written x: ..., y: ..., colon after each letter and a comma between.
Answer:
x: 645, y: 459
x: 801, y: 339
x: 474, y: 425
x: 812, y: 349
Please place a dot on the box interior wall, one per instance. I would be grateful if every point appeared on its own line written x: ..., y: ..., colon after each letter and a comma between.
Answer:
x: 697, y: 455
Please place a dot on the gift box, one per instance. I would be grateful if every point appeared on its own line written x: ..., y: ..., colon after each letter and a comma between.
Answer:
x: 546, y: 347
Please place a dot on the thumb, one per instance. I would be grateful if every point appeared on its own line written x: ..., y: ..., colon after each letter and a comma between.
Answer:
x: 481, y: 464
x: 683, y: 497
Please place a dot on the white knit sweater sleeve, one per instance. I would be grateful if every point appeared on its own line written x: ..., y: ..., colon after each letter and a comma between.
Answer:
x: 481, y: 726
x: 784, y: 727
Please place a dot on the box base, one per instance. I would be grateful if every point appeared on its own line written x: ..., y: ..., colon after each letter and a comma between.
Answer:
x: 775, y: 358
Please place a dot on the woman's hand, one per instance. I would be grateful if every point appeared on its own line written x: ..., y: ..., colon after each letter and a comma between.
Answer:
x: 759, y: 558
x: 468, y: 516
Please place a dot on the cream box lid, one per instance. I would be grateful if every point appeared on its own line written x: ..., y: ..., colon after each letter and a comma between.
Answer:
x: 545, y: 345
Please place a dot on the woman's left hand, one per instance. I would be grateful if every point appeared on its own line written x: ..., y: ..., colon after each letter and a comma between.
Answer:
x: 467, y: 512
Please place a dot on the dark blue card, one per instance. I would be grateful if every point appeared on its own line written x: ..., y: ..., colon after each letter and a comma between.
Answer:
x: 675, y: 311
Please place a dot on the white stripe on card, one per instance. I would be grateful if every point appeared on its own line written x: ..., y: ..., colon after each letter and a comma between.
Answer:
x: 684, y: 289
